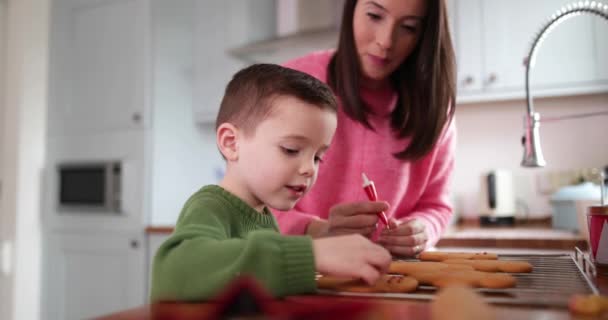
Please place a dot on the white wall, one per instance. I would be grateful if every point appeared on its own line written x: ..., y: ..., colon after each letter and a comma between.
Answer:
x: 184, y: 154
x: 489, y: 136
x: 24, y: 126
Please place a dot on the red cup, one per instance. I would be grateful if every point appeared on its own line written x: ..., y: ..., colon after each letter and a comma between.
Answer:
x: 597, y: 220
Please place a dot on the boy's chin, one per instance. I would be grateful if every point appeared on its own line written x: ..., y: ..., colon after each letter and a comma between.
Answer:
x: 284, y: 206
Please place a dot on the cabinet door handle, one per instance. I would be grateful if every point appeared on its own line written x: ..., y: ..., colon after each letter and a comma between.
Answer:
x: 136, y: 117
x: 134, y: 244
x: 492, y: 78
x: 468, y: 80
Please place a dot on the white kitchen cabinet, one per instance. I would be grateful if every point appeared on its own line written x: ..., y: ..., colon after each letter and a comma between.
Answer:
x: 601, y: 40
x: 492, y: 38
x: 466, y: 35
x: 213, y: 37
x: 127, y: 148
x: 94, y: 262
x: 89, y: 274
x: 154, y: 241
x: 98, y: 66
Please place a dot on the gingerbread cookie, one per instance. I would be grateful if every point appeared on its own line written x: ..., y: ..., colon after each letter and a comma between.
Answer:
x: 386, y: 283
x: 412, y: 267
x: 510, y: 266
x: 588, y: 305
x: 440, y: 256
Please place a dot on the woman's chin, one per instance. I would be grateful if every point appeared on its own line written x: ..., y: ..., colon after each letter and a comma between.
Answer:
x: 375, y: 79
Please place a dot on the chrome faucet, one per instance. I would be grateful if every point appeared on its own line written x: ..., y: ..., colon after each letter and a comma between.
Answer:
x: 533, y: 154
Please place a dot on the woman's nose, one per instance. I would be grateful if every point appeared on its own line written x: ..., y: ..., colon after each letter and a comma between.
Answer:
x: 384, y: 36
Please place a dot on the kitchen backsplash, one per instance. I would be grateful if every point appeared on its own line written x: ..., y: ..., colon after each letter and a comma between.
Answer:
x: 489, y: 136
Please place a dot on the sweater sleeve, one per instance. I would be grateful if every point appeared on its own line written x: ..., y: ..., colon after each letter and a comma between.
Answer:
x: 200, y: 259
x: 434, y: 207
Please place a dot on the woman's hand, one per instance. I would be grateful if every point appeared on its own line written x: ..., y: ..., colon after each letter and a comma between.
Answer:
x: 405, y: 238
x: 354, y: 217
x: 351, y: 256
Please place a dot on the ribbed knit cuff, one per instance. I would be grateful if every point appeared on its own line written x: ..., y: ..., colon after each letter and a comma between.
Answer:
x: 299, y: 265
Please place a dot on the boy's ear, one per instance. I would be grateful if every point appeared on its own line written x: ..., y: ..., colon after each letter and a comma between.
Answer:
x: 227, y: 136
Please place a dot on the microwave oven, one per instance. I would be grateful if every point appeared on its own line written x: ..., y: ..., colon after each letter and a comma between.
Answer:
x: 90, y: 187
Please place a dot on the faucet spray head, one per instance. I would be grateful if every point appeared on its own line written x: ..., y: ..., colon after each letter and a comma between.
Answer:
x: 533, y: 154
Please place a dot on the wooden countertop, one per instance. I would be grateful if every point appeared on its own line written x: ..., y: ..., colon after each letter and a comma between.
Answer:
x: 387, y: 308
x: 528, y: 236
x: 537, y: 234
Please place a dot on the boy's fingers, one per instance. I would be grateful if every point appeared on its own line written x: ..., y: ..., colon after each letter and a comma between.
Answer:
x: 380, y: 258
x: 369, y: 274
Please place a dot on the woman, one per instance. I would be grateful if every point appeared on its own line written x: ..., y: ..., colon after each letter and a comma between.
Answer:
x: 393, y: 72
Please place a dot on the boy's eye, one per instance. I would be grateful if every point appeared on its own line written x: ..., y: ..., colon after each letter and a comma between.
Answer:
x: 289, y: 151
x: 318, y: 159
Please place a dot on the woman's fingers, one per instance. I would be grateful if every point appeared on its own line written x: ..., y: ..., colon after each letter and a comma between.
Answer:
x: 355, y: 221
x: 405, y: 228
x: 355, y: 208
x: 366, y: 231
x: 408, y: 239
x: 403, y: 241
x: 355, y: 217
x: 405, y: 251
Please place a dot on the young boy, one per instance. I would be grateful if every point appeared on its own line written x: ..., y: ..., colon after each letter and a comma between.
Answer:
x: 272, y: 129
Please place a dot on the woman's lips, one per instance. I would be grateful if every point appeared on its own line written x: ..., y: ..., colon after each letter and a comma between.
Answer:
x: 378, y: 60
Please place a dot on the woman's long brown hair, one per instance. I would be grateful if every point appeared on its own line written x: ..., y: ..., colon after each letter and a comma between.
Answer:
x: 425, y: 82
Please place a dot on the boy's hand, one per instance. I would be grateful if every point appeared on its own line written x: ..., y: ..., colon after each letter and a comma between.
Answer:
x: 405, y: 238
x: 355, y: 217
x: 351, y: 256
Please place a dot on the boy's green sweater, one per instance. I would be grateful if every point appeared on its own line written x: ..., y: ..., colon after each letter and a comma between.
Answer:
x: 219, y: 237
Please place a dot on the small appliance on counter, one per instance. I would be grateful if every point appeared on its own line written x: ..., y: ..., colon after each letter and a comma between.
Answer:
x: 570, y: 204
x: 497, y: 199
x: 597, y: 220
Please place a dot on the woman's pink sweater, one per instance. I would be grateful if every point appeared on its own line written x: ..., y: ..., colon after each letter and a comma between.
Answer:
x: 418, y: 189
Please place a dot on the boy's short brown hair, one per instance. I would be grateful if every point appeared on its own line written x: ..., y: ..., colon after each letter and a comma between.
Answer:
x: 248, y: 96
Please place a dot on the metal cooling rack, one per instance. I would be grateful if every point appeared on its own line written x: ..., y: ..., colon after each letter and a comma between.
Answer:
x: 555, y: 278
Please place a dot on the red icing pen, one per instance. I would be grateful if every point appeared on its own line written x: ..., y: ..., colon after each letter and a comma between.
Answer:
x: 370, y: 190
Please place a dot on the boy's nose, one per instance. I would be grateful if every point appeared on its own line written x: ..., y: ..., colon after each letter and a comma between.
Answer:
x: 307, y: 168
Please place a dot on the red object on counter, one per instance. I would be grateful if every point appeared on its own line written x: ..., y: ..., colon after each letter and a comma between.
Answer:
x: 370, y: 191
x: 597, y: 219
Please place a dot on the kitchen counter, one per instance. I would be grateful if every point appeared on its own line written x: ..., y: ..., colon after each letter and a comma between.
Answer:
x: 387, y: 308
x: 526, y: 237
x: 537, y: 234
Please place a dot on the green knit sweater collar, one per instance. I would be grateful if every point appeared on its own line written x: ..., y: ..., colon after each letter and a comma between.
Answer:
x: 253, y: 216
